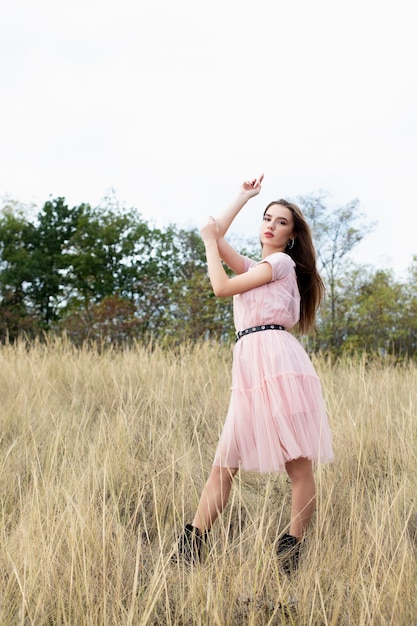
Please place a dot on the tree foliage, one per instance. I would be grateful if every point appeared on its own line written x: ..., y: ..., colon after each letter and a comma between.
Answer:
x: 336, y: 230
x: 103, y: 274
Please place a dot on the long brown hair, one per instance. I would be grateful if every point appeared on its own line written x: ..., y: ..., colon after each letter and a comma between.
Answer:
x: 303, y: 253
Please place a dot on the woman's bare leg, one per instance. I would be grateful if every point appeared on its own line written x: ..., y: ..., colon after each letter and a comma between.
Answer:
x: 303, y: 503
x: 214, y: 497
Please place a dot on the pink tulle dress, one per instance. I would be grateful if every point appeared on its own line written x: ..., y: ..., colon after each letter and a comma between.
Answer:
x: 276, y: 411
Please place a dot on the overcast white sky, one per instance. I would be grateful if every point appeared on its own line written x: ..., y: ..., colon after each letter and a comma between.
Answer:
x: 174, y: 104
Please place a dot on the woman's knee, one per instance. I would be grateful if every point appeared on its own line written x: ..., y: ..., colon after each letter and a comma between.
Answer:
x: 223, y: 474
x: 299, y: 469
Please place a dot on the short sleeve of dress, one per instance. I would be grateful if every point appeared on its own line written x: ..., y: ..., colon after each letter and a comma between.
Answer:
x: 282, y: 264
x: 248, y: 263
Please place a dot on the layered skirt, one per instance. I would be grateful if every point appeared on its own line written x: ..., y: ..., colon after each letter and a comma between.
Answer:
x: 276, y: 412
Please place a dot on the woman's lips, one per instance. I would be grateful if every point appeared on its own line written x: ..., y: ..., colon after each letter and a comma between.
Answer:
x: 269, y: 235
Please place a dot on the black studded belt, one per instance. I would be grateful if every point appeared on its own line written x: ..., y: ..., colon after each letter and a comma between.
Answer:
x: 256, y: 329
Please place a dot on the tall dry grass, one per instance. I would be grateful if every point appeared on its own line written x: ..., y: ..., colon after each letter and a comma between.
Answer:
x: 103, y: 456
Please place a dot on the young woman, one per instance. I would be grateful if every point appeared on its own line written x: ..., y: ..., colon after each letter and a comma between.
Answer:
x: 276, y: 419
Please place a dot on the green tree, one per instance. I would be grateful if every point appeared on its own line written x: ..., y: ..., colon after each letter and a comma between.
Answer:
x: 196, y: 312
x: 104, y: 248
x: 16, y: 246
x: 116, y: 253
x: 336, y: 231
x: 373, y: 321
x: 51, y: 258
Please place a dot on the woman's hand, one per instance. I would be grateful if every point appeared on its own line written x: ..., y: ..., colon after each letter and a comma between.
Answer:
x: 252, y: 187
x: 210, y: 232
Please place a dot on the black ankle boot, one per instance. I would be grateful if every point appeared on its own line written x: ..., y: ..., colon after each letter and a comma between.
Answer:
x: 190, y: 545
x: 288, y: 552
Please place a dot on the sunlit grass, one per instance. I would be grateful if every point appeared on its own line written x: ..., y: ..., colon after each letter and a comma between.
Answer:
x: 103, y: 457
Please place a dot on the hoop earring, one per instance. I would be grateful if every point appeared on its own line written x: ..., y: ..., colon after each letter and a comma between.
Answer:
x: 290, y: 244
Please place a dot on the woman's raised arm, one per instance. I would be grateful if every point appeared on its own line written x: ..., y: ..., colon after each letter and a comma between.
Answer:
x: 227, y: 253
x: 249, y: 189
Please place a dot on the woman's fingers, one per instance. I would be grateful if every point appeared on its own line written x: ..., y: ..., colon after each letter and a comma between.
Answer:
x: 255, y: 182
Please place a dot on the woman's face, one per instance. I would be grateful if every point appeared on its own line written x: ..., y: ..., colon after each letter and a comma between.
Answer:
x: 277, y: 228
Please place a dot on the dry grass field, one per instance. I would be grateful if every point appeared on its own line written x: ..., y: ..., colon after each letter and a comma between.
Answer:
x: 103, y: 456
